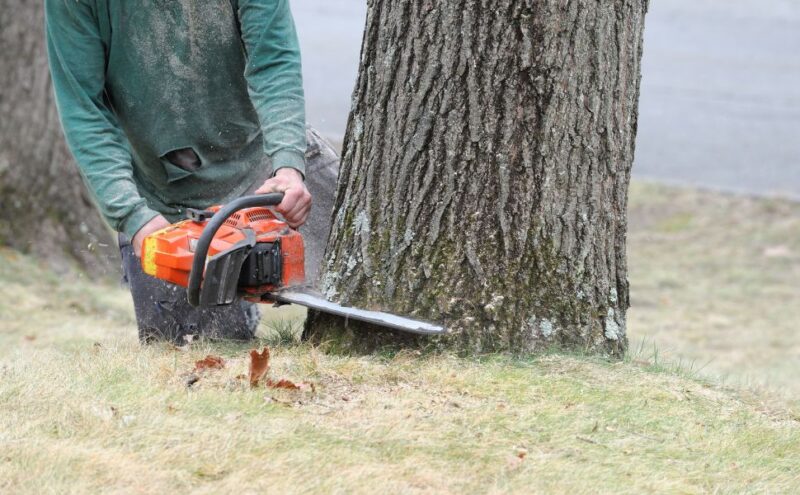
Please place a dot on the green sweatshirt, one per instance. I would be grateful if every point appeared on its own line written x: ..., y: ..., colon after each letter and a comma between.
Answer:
x: 137, y: 79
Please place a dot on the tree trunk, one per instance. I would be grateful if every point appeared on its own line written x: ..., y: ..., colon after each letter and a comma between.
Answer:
x: 45, y: 209
x: 485, y: 173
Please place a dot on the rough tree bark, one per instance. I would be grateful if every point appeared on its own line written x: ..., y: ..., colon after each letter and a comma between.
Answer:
x: 44, y: 207
x: 485, y: 172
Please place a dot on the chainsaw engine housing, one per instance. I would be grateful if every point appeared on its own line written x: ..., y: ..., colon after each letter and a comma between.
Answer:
x: 251, y: 254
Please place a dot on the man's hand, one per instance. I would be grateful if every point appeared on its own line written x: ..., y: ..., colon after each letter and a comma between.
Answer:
x: 157, y: 223
x: 296, y: 199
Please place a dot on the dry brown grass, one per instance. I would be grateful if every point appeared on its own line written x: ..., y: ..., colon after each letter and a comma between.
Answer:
x: 118, y: 418
x: 715, y: 280
x: 84, y: 409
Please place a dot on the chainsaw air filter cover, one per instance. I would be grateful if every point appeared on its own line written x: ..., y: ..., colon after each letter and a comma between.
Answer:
x: 262, y: 266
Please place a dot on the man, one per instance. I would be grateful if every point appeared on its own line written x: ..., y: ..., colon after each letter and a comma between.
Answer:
x: 171, y: 104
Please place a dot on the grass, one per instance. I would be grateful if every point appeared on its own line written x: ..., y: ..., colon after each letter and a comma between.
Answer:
x: 715, y: 280
x: 115, y: 417
x: 84, y: 408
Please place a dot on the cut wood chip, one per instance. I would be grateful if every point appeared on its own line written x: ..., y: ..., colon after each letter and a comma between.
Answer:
x: 259, y: 365
x: 209, y: 362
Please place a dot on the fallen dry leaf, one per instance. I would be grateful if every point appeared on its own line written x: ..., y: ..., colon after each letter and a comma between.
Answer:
x: 259, y: 365
x: 290, y: 385
x: 209, y: 363
x: 283, y: 383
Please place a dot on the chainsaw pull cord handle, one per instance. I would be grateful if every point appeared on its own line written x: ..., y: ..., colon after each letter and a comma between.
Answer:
x: 211, y: 228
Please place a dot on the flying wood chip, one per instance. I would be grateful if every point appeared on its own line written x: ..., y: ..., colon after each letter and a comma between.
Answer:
x: 259, y: 365
x: 209, y: 363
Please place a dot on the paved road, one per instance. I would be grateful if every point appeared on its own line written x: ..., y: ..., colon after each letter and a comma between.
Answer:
x: 720, y: 102
x: 330, y: 39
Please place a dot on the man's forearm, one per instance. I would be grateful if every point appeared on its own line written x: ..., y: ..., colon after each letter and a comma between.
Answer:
x: 77, y: 65
x: 274, y: 79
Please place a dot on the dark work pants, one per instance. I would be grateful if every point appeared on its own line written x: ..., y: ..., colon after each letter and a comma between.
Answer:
x: 163, y: 313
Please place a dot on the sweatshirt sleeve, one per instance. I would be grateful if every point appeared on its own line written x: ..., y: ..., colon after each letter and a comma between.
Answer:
x: 274, y: 79
x: 77, y: 60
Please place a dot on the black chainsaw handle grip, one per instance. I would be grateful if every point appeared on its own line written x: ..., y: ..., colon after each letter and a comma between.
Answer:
x: 211, y: 228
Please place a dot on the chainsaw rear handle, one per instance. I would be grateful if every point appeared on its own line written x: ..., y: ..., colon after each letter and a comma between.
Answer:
x: 216, y: 221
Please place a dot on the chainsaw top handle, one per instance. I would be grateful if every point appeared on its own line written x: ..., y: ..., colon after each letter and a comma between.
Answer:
x: 211, y: 228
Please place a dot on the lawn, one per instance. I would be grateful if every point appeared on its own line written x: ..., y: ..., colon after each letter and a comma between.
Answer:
x: 85, y: 409
x: 715, y: 281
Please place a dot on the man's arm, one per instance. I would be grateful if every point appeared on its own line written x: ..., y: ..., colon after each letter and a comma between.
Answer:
x: 275, y: 84
x: 77, y: 65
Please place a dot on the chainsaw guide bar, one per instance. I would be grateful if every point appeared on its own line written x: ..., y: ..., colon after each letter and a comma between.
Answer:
x: 310, y: 299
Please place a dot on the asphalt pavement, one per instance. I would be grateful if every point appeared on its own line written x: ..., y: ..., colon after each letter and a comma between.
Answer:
x: 720, y: 103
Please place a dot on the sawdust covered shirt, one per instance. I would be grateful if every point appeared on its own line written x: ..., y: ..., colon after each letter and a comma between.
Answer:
x: 138, y: 79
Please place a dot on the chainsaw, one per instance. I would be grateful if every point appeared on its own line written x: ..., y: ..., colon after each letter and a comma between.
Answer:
x: 243, y: 249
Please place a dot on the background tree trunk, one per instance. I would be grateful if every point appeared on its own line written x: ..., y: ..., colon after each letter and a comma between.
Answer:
x: 44, y: 207
x: 485, y: 172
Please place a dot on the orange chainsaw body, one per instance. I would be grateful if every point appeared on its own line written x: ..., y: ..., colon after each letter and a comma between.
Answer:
x: 242, y: 250
x: 168, y: 254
